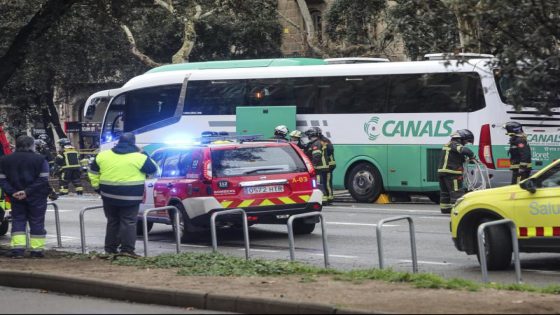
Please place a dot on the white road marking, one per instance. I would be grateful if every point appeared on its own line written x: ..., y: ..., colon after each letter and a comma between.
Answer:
x: 60, y: 210
x: 546, y: 272
x: 427, y: 262
x: 260, y: 250
x: 357, y: 224
x: 338, y: 256
x: 195, y: 246
x: 384, y: 209
x: 434, y: 218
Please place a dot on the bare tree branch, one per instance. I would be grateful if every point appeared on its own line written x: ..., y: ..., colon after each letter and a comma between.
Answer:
x: 106, y: 7
x: 305, y: 39
x: 134, y: 48
x: 166, y: 5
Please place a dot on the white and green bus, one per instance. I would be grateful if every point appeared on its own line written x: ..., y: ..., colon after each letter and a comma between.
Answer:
x: 388, y: 120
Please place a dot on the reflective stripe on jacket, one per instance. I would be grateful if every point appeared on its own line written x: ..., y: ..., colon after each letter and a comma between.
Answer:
x: 69, y: 158
x: 453, y: 156
x: 120, y: 176
x: 519, y: 152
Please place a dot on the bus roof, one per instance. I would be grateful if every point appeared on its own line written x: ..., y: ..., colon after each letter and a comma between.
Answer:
x: 230, y: 64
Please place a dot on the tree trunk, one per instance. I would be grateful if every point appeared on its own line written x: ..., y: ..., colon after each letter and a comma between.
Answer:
x: 308, y: 21
x: 53, y: 117
x: 189, y: 40
x: 49, y: 13
x: 469, y: 28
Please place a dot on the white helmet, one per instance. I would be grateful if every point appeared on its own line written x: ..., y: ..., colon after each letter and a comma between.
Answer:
x: 281, y: 131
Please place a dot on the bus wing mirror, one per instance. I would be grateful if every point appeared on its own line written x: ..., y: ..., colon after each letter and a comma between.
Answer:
x: 90, y: 111
x: 529, y: 185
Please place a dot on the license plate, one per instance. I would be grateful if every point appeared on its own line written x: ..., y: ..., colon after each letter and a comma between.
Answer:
x: 264, y: 189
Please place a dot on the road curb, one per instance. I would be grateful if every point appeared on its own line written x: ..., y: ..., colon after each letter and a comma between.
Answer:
x: 169, y: 297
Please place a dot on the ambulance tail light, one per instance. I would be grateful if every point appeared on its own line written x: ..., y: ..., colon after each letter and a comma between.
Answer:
x: 485, y: 147
x: 207, y: 170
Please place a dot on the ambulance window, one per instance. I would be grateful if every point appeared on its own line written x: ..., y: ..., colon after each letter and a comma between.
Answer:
x: 171, y: 165
x: 159, y: 158
x: 551, y: 178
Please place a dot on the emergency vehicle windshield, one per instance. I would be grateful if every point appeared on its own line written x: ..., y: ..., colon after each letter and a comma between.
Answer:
x: 228, y: 162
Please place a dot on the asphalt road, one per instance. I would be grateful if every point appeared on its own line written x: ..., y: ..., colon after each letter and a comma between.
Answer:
x: 20, y: 301
x: 351, y: 238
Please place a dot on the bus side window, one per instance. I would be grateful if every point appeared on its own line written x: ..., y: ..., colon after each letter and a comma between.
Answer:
x: 151, y: 105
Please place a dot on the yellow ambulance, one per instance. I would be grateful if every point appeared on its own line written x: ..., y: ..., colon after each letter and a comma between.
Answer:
x: 534, y: 206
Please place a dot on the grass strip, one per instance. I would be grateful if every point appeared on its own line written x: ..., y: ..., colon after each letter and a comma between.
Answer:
x: 219, y: 265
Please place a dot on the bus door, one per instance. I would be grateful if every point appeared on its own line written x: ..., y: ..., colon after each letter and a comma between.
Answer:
x: 261, y: 120
x: 404, y: 167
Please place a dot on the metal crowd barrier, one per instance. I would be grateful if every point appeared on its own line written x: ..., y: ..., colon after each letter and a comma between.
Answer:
x: 412, y: 240
x: 57, y: 224
x: 175, y: 223
x: 482, y: 249
x: 323, y: 229
x: 82, y: 225
x: 245, y: 229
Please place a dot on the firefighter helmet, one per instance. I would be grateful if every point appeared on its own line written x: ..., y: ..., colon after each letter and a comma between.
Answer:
x: 464, y: 134
x: 513, y: 127
x: 314, y: 132
x: 281, y: 131
x: 295, y: 134
x: 64, y: 142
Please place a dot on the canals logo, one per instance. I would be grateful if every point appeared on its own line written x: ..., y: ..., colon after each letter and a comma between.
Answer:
x: 370, y: 128
x: 408, y: 128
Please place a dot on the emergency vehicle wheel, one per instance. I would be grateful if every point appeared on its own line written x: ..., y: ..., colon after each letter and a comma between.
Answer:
x: 186, y: 229
x: 497, y: 245
x: 365, y: 183
x: 302, y: 228
x: 140, y: 227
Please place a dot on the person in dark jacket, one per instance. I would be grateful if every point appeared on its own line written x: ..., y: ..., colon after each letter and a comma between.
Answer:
x: 519, y: 152
x: 119, y: 175
x: 317, y: 151
x: 450, y: 171
x: 42, y: 148
x: 24, y: 175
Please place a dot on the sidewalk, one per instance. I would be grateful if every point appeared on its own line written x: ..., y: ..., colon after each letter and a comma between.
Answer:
x: 293, y: 294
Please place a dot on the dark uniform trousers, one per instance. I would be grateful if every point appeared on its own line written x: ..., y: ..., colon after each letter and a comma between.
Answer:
x: 451, y: 189
x: 30, y: 210
x: 121, y: 227
x: 71, y: 175
x: 323, y: 178
x: 519, y: 175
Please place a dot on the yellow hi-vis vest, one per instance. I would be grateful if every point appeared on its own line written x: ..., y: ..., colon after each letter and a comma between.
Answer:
x: 119, y: 177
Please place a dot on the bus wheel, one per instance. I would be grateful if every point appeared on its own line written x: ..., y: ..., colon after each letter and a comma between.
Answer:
x: 365, y: 183
x: 4, y: 227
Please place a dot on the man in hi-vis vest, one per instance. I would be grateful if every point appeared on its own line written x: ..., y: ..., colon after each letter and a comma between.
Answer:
x: 119, y: 175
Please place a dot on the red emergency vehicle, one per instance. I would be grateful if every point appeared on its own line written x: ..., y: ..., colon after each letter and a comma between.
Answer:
x: 269, y: 180
x: 5, y: 149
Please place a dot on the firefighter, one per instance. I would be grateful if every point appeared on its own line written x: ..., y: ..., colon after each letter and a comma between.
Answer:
x: 317, y: 151
x: 24, y: 176
x: 119, y: 175
x: 519, y: 152
x: 450, y: 171
x: 332, y: 165
x: 281, y: 133
x: 295, y: 138
x: 42, y: 148
x: 69, y: 164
